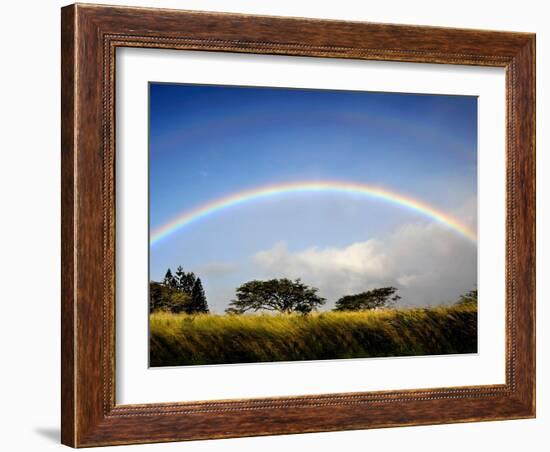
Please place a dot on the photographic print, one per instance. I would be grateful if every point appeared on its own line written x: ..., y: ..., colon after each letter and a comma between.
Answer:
x: 301, y: 224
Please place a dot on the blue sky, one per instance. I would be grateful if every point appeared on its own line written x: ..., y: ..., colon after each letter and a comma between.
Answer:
x: 210, y: 141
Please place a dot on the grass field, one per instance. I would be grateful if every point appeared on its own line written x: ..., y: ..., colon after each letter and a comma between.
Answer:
x: 181, y: 339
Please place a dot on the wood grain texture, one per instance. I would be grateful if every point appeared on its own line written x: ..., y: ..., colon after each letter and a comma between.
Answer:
x: 90, y: 36
x: 67, y: 224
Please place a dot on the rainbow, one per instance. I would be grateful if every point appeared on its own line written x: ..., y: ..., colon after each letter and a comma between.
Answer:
x: 270, y: 191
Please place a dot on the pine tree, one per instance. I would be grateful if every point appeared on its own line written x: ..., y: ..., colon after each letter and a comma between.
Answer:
x: 187, y: 282
x: 169, y: 280
x: 180, y: 276
x: 198, y: 299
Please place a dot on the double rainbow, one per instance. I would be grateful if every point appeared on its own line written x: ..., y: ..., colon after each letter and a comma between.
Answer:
x: 270, y: 191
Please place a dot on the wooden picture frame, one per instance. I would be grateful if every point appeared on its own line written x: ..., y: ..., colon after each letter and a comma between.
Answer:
x: 90, y: 36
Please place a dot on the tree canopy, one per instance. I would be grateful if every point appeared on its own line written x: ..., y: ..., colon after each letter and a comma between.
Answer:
x: 185, y: 281
x: 198, y: 298
x: 376, y: 298
x: 281, y: 295
x: 182, y: 292
x: 165, y: 298
x: 169, y: 280
x: 468, y: 299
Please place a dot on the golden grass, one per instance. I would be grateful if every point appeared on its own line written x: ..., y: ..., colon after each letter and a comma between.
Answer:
x: 182, y: 339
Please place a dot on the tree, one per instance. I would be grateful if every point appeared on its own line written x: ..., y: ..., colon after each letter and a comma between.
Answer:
x: 188, y: 282
x: 165, y: 298
x: 180, y: 293
x: 198, y: 299
x: 169, y: 280
x: 468, y: 299
x: 179, y: 302
x: 178, y: 276
x: 185, y: 281
x: 371, y: 299
x: 281, y: 295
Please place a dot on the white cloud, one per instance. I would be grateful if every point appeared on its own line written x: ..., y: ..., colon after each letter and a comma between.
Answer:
x: 427, y: 262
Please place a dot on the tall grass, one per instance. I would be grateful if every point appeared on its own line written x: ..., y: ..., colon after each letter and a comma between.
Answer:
x: 181, y: 339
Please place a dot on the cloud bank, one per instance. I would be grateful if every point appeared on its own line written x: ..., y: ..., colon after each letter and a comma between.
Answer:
x: 427, y: 263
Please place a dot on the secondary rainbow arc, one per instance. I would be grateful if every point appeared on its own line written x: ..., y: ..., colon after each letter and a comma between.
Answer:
x: 235, y: 199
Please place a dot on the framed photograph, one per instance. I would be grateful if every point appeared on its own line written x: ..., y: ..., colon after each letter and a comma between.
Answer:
x: 281, y: 225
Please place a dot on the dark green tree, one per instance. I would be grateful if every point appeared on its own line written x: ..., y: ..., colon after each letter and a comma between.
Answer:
x: 180, y: 293
x: 165, y: 298
x: 169, y: 280
x: 179, y: 302
x: 179, y: 275
x: 376, y: 298
x: 198, y: 303
x: 281, y: 295
x: 468, y: 299
x: 187, y: 282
